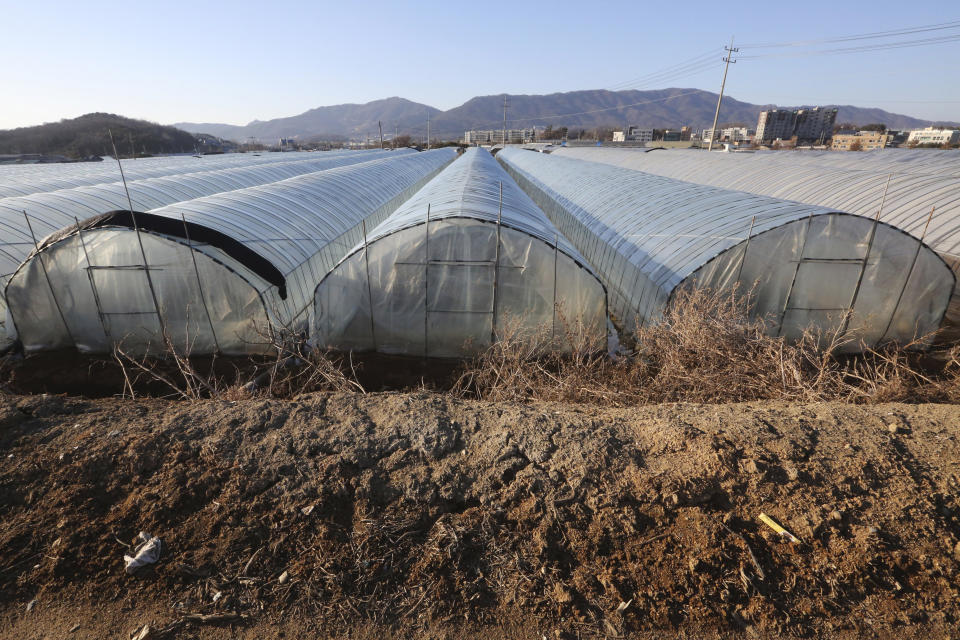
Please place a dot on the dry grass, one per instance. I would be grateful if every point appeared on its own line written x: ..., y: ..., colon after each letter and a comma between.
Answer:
x: 706, y: 348
x: 297, y: 368
x: 291, y: 369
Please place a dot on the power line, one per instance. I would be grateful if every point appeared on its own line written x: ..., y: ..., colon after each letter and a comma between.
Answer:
x: 862, y: 36
x: 862, y: 49
x: 667, y: 78
x: 709, y: 55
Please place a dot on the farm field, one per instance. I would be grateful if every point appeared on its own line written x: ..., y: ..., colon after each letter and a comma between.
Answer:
x: 423, y: 515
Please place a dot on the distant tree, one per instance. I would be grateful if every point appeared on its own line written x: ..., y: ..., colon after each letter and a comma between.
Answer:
x: 882, y: 128
x: 856, y: 145
x: 551, y: 133
x: 845, y: 126
x: 603, y: 133
x: 402, y: 141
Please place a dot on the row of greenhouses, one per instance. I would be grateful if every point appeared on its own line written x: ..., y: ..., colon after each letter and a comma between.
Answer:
x: 22, y: 180
x: 219, y: 273
x: 435, y: 254
x: 26, y: 219
x: 804, y: 265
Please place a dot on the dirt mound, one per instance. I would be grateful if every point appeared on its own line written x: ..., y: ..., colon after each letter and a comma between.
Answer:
x: 413, y: 512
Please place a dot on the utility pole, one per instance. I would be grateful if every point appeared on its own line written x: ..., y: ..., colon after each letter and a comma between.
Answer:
x: 380, y: 126
x: 713, y: 130
x: 504, y: 138
x: 395, y: 129
x: 428, y: 131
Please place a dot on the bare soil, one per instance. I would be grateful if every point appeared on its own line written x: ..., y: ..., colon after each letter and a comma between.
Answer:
x: 419, y: 515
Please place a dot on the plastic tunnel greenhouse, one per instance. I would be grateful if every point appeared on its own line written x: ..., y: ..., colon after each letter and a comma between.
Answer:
x: 444, y: 286
x: 50, y: 211
x: 921, y: 182
x: 242, y: 266
x: 22, y: 180
x: 806, y: 266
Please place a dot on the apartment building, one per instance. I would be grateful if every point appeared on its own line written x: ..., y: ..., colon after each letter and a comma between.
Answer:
x: 729, y: 134
x: 862, y: 141
x: 808, y: 125
x: 495, y: 136
x: 815, y: 125
x: 775, y: 124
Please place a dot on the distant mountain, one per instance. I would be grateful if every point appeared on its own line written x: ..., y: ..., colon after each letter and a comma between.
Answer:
x: 88, y: 136
x: 342, y: 120
x: 660, y: 108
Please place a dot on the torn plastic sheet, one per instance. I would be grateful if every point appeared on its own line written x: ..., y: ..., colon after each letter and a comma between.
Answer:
x: 147, y: 552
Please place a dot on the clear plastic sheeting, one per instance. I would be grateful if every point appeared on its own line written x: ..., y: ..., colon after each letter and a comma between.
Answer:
x: 102, y: 292
x: 449, y: 287
x: 921, y: 181
x: 108, y: 301
x: 805, y: 266
x: 23, y: 180
x: 54, y: 210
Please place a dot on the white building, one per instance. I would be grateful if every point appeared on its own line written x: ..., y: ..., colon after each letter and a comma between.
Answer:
x: 619, y: 136
x: 730, y: 134
x: 477, y: 137
x: 932, y: 135
x: 495, y: 136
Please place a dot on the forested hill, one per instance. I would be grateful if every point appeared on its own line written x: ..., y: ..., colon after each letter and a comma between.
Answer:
x: 88, y: 136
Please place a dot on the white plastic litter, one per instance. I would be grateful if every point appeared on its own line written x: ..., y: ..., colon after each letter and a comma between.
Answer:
x: 147, y: 552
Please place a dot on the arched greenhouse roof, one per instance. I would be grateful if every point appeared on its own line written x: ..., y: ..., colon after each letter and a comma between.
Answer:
x: 469, y: 188
x: 920, y: 179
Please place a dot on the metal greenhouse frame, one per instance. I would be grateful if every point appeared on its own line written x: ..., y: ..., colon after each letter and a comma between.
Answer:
x: 467, y: 260
x: 214, y: 274
x: 806, y: 266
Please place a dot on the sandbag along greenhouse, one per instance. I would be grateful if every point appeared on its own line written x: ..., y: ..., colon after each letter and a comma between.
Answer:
x: 221, y: 273
x: 24, y: 220
x: 805, y: 265
x: 456, y: 267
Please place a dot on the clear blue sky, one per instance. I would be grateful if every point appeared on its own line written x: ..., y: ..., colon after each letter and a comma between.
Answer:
x: 243, y: 60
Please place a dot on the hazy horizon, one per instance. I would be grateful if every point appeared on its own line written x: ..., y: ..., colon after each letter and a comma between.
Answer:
x: 233, y: 63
